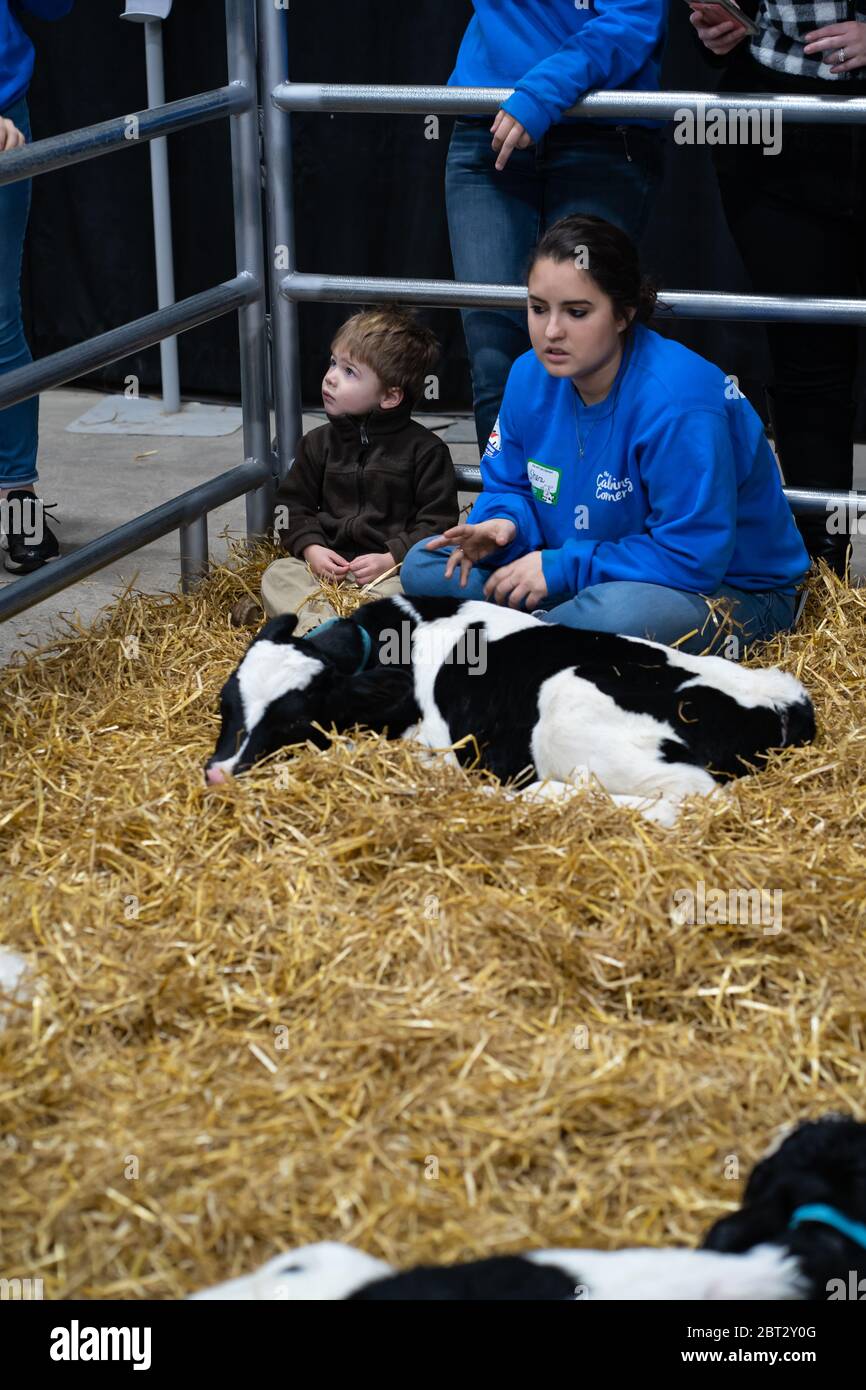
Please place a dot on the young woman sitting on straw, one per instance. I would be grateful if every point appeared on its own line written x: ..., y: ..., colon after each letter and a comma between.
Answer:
x: 627, y: 484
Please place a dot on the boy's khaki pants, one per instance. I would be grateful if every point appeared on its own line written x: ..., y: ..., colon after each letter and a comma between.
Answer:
x: 286, y: 582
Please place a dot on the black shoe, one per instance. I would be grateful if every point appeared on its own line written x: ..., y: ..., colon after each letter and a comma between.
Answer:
x: 30, y: 543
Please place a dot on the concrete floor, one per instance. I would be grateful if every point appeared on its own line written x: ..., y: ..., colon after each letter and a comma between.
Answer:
x: 100, y: 481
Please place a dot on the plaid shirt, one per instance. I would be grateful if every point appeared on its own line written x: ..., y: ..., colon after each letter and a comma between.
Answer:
x: 784, y: 24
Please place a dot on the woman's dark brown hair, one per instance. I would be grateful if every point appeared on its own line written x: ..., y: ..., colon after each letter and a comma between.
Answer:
x: 607, y: 254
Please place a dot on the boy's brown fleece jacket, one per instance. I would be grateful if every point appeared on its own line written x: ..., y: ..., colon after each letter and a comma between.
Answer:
x: 364, y: 484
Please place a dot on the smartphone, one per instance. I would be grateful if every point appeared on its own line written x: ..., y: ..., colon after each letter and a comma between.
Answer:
x: 736, y: 13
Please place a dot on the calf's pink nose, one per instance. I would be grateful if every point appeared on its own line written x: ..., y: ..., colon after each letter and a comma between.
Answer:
x: 215, y: 775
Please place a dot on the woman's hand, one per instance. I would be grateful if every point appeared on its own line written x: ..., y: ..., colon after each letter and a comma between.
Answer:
x: 11, y: 137
x: 849, y: 37
x: 522, y: 579
x: 473, y: 543
x: 715, y: 28
x: 508, y: 135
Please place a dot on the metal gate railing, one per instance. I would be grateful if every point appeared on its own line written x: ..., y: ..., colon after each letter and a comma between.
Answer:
x: 249, y: 290
x: 295, y: 286
x: 245, y: 293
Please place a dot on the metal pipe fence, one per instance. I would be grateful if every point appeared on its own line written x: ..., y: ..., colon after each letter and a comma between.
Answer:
x: 297, y: 287
x: 244, y: 294
x: 186, y: 513
x: 121, y: 133
x: 267, y: 276
x: 457, y: 101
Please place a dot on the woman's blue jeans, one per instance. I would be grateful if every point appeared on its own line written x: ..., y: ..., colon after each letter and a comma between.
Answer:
x: 495, y: 220
x: 672, y: 616
x: 19, y: 424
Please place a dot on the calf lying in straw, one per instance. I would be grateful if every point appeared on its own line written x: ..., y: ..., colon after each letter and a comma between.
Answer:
x: 800, y: 1234
x: 516, y: 696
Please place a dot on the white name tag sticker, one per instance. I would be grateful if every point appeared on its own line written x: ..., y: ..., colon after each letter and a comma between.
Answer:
x: 544, y: 481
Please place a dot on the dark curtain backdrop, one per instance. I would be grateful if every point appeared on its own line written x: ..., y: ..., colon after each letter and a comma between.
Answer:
x: 368, y: 189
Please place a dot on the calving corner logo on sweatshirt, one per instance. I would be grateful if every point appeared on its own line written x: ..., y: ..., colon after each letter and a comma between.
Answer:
x: 611, y: 489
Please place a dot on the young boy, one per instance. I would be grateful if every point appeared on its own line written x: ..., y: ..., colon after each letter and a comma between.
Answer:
x: 367, y: 486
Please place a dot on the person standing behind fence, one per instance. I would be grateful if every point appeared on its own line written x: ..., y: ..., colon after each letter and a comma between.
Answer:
x: 798, y: 217
x: 29, y: 540
x: 506, y: 183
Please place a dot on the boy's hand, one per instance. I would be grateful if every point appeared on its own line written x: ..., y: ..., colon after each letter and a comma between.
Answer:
x: 366, y: 568
x: 522, y: 579
x: 473, y: 543
x: 325, y: 563
x: 11, y: 137
x: 716, y: 29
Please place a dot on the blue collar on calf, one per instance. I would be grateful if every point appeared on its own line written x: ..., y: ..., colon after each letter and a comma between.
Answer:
x: 829, y: 1216
x: 366, y: 639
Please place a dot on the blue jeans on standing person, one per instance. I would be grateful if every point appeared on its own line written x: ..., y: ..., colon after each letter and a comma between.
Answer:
x: 496, y: 218
x: 629, y: 608
x: 19, y: 424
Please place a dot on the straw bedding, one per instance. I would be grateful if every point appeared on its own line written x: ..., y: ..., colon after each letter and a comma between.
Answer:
x: 349, y: 997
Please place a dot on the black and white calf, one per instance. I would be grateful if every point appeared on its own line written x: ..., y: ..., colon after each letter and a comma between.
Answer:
x: 800, y: 1234
x: 520, y: 697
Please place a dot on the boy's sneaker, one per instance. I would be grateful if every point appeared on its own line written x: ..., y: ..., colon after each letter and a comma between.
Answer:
x: 30, y: 543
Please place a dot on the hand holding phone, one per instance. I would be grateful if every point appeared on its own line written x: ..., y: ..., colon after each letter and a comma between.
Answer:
x: 716, y: 12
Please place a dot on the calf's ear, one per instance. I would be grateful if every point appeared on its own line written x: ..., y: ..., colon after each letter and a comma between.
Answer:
x: 278, y: 629
x: 382, y: 698
x: 746, y: 1228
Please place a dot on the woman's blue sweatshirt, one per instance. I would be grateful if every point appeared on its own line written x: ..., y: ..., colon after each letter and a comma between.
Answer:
x: 677, y: 484
x: 554, y: 51
x: 16, y: 50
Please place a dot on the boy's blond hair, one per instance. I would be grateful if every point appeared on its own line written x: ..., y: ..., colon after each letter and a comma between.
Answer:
x: 392, y: 343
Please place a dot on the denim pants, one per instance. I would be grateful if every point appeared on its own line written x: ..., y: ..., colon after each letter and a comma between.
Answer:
x: 18, y: 423
x: 629, y: 608
x: 495, y: 220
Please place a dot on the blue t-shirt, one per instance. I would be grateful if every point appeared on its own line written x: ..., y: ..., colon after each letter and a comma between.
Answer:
x: 555, y: 51
x: 677, y: 484
x: 16, y: 50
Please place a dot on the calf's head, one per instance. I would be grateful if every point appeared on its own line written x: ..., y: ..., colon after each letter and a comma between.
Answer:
x: 285, y: 687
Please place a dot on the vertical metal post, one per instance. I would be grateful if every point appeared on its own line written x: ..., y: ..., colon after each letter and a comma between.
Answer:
x: 279, y: 192
x: 161, y: 214
x: 247, y: 182
x: 193, y: 552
